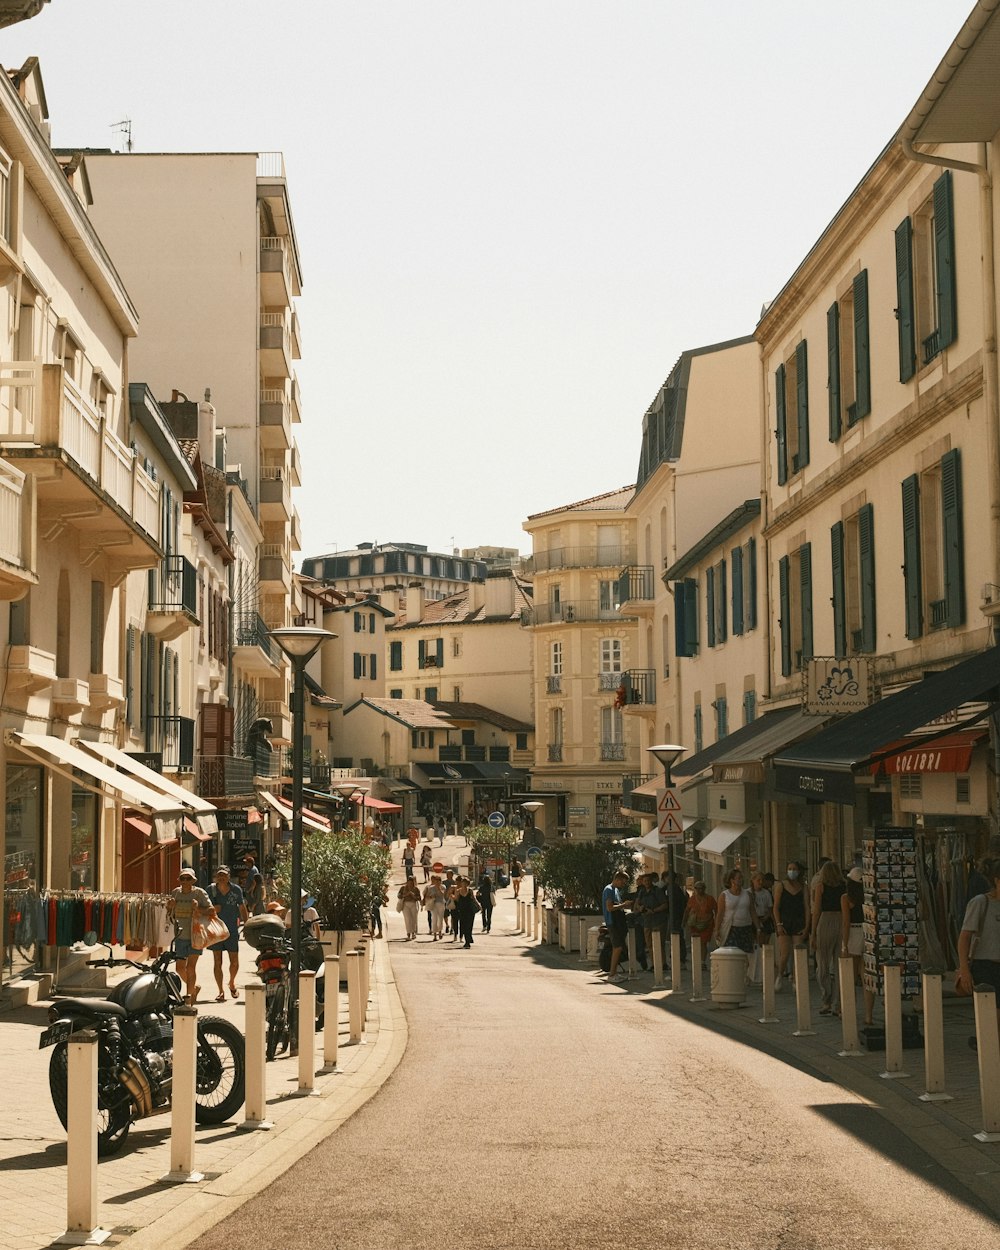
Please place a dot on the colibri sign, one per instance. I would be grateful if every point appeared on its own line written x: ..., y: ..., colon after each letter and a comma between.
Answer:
x: 832, y: 687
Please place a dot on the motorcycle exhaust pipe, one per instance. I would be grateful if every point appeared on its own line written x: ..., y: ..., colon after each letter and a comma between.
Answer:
x: 134, y: 1080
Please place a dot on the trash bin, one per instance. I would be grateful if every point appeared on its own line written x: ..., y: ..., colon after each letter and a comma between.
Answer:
x: 729, y: 976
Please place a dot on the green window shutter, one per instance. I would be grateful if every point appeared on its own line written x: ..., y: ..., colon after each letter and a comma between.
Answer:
x: 680, y: 619
x: 421, y: 653
x: 749, y: 707
x: 954, y: 556
x: 912, y: 581
x: 440, y: 653
x: 710, y: 605
x: 691, y: 615
x: 752, y: 574
x: 780, y: 432
x: 723, y: 627
x: 833, y: 368
x: 866, y: 552
x: 736, y: 558
x: 357, y: 664
x: 784, y: 607
x: 373, y: 666
x: 395, y: 656
x: 805, y: 585
x: 699, y: 732
x: 838, y: 600
x: 721, y: 719
x: 357, y: 622
x: 944, y: 257
x: 802, y: 401
x: 862, y: 347
x: 904, y: 300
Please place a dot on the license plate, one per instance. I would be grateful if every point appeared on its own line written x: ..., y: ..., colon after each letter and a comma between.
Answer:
x: 55, y: 1033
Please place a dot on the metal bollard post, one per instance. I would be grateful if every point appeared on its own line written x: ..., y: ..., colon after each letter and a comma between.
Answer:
x: 767, y: 960
x: 676, y: 971
x: 307, y: 1032
x: 892, y: 986
x: 802, y: 1016
x: 331, y: 1012
x: 81, y: 1144
x: 656, y: 939
x: 697, y: 972
x: 364, y: 950
x: 182, y: 1097
x: 933, y: 1039
x: 988, y: 1050
x: 848, y: 1009
x: 538, y: 918
x: 632, y: 957
x: 256, y: 1058
x: 355, y: 1016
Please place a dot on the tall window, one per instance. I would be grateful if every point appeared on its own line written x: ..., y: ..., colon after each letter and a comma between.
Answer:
x: 926, y: 295
x: 555, y: 659
x: 795, y: 608
x: 743, y: 561
x: 934, y: 547
x: 849, y: 357
x: 715, y: 603
x: 611, y: 655
x: 852, y: 543
x: 612, y: 740
x: 791, y: 402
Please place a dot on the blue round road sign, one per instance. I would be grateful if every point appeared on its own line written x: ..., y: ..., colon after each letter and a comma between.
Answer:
x: 496, y: 820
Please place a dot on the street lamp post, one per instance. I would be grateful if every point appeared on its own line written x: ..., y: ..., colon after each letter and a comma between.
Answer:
x: 668, y: 753
x: 300, y: 643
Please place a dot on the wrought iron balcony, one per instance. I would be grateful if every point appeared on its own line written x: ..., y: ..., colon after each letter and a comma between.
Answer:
x: 553, y: 685
x: 499, y: 755
x: 609, y: 681
x: 631, y: 780
x: 931, y: 346
x: 640, y: 686
x: 173, y: 738
x: 939, y: 613
x: 569, y: 613
x: 221, y: 776
x: 555, y: 753
x: 249, y: 630
x: 612, y: 751
x: 173, y: 598
x: 583, y: 557
x: 636, y: 584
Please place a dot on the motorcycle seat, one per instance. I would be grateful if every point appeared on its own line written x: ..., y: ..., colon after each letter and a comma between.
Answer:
x: 91, y: 1007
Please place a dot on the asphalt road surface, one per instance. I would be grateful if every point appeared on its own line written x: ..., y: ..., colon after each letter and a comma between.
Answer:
x: 537, y: 1108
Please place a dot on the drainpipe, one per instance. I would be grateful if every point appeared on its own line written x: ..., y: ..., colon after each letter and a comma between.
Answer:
x: 966, y: 38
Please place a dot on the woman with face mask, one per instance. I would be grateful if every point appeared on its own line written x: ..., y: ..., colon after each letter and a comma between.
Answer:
x: 791, y: 916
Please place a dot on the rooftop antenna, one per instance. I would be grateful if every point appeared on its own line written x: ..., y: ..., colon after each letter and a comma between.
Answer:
x: 124, y: 128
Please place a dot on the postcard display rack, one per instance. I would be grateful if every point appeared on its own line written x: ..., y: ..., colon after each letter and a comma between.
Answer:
x: 889, y: 865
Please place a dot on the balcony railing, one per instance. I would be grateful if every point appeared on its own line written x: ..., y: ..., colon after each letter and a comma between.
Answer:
x: 857, y: 640
x: 583, y: 557
x: 555, y: 753
x: 270, y: 165
x: 449, y: 754
x: 173, y: 737
x: 579, y: 610
x: 640, y: 686
x: 553, y: 685
x: 14, y: 540
x: 224, y: 775
x: 631, y: 781
x: 609, y: 681
x: 611, y: 751
x: 499, y: 755
x: 939, y: 613
x: 273, y: 563
x: 274, y: 258
x: 174, y: 586
x: 250, y: 631
x: 931, y: 346
x: 635, y: 584
x: 474, y: 754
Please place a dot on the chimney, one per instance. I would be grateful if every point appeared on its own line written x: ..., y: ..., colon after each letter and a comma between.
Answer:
x: 206, y: 434
x: 499, y: 593
x: 477, y: 595
x: 414, y: 602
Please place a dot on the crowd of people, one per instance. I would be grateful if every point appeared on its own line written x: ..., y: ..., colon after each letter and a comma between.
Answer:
x: 450, y: 904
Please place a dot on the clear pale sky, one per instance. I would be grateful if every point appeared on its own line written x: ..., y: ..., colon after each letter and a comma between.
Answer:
x: 513, y: 216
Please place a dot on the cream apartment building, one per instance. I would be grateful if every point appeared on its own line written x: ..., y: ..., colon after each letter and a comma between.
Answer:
x: 387, y: 569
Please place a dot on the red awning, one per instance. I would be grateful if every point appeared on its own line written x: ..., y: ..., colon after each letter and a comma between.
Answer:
x: 191, y: 830
x: 952, y: 754
x: 145, y: 829
x: 378, y: 805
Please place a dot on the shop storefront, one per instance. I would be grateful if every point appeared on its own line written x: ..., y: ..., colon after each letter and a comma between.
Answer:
x: 23, y: 872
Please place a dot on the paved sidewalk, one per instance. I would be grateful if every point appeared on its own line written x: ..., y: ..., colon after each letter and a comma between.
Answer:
x: 141, y: 1211
x: 944, y: 1129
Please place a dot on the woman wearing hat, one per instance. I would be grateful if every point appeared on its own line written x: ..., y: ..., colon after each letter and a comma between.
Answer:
x: 188, y: 905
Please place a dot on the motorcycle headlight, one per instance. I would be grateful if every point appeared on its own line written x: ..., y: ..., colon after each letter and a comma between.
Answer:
x: 54, y: 1013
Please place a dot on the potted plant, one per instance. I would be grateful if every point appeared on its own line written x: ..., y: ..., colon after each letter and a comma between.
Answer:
x: 574, y: 875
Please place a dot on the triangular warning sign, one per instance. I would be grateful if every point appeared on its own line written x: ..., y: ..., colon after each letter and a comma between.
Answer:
x: 669, y: 802
x: 671, y: 825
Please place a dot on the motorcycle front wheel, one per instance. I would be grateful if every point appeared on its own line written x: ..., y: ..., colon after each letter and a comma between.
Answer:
x: 221, y: 1071
x: 114, y: 1106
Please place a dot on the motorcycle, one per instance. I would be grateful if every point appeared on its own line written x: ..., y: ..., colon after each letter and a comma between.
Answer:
x: 269, y: 937
x: 134, y: 1027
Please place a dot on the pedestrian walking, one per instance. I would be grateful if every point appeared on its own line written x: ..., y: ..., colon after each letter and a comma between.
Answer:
x: 699, y: 917
x: 426, y: 855
x: 227, y: 899
x: 449, y: 896
x: 408, y: 903
x: 434, y: 900
x: 440, y: 830
x: 487, y: 899
x: 379, y: 899
x: 188, y: 904
x: 614, y: 907
x: 253, y: 886
x: 465, y: 910
x: 651, y: 907
x: 763, y: 905
x: 409, y: 855
x: 979, y: 940
x: 735, y: 918
x: 824, y: 935
x: 516, y: 873
x: 791, y: 916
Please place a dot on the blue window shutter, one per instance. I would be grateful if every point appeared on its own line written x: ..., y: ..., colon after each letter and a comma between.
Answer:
x: 710, y: 606
x: 680, y: 642
x: 749, y: 707
x: 781, y: 432
x: 431, y: 694
x: 440, y: 653
x: 421, y: 653
x: 833, y: 368
x: 954, y: 556
x: 721, y: 718
x: 805, y: 583
x: 373, y: 666
x: 866, y: 552
x: 838, y: 599
x: 751, y: 572
x: 784, y: 620
x: 912, y: 579
x: 699, y: 731
x: 802, y: 401
x: 944, y: 256
x: 357, y: 664
x: 736, y: 558
x: 904, y: 302
x: 723, y: 627
x: 862, y: 347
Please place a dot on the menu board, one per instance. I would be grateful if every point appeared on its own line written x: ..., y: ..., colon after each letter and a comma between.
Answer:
x: 889, y: 867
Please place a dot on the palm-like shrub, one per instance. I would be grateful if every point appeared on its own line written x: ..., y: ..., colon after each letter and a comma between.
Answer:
x: 342, y: 871
x: 575, y: 873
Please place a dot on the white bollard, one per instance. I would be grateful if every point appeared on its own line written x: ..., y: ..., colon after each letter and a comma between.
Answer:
x: 354, y: 1012
x: 656, y: 940
x: 697, y: 972
x: 331, y: 1012
x: 767, y: 961
x: 81, y: 1144
x: 584, y: 924
x: 676, y: 971
x: 632, y: 958
x: 892, y: 989
x: 802, y: 1017
x: 307, y: 1032
x: 933, y: 1039
x: 364, y: 950
x: 182, y: 1098
x: 848, y: 1009
x: 988, y: 1050
x: 538, y: 919
x: 529, y: 920
x: 256, y: 1058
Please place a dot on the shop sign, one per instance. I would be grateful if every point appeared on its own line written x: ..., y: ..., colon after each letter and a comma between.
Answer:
x: 608, y: 785
x: 579, y: 811
x: 245, y: 846
x: 833, y: 687
x: 149, y: 759
x: 818, y: 784
x: 752, y: 772
x: 236, y: 820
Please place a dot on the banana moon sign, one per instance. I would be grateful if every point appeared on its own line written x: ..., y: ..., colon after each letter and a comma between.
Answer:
x: 835, y: 687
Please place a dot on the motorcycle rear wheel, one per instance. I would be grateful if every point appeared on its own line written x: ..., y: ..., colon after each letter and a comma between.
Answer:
x: 114, y: 1106
x: 277, y: 1024
x: 221, y: 1071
